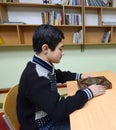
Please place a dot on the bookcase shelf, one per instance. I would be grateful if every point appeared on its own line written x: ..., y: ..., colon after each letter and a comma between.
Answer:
x: 98, y: 21
x: 86, y: 21
x: 16, y: 34
x: 95, y: 34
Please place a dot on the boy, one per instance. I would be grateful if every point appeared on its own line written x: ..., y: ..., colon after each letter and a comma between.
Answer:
x: 39, y: 105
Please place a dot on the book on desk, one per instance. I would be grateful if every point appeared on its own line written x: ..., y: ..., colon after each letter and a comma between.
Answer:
x: 99, y: 80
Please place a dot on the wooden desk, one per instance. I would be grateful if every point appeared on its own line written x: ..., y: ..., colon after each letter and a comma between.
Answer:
x: 100, y: 112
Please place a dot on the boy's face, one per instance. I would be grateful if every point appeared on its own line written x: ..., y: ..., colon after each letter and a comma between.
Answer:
x: 56, y: 55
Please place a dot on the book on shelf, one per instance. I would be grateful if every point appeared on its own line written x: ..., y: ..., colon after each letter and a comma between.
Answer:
x: 60, y: 2
x: 108, y: 22
x: 13, y: 22
x: 106, y: 37
x: 107, y: 2
x: 75, y: 37
x: 99, y: 80
x: 86, y: 3
x: 51, y: 17
x: 91, y: 2
x: 75, y: 2
x: 73, y: 19
x: 80, y: 37
x: 31, y: 1
x: 97, y: 2
x: 47, y: 1
x: 57, y: 19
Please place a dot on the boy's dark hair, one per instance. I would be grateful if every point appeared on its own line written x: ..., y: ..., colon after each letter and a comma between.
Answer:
x: 46, y: 34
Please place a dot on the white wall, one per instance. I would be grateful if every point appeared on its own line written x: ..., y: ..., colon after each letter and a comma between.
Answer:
x: 94, y: 58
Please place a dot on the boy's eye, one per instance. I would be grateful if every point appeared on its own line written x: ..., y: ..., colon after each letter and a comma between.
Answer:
x: 61, y: 49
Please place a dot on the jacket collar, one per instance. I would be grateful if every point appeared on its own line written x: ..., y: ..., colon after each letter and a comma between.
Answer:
x: 38, y: 60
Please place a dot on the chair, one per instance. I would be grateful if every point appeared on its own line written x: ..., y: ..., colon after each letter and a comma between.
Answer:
x: 9, y: 109
x: 3, y: 92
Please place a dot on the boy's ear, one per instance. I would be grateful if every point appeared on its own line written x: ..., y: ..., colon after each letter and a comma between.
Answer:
x: 45, y: 48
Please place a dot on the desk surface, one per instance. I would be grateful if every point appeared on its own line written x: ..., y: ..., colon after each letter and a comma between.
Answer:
x: 100, y: 112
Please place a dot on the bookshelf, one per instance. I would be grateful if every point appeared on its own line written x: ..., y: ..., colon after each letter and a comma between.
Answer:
x: 98, y: 21
x: 20, y: 34
x: 83, y: 19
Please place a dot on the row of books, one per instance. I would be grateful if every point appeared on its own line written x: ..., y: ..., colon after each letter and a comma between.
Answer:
x: 97, y: 2
x: 78, y: 37
x: 67, y: 2
x: 73, y: 19
x: 13, y: 22
x: 56, y: 18
x: 52, y: 18
x: 75, y: 2
x: 63, y: 2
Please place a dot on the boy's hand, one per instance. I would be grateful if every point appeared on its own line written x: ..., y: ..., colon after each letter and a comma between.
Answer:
x: 97, y: 89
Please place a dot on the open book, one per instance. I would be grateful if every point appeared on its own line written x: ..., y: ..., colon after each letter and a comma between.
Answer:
x: 100, y: 80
